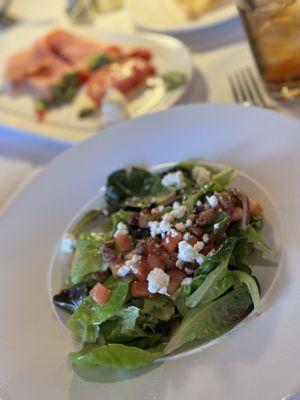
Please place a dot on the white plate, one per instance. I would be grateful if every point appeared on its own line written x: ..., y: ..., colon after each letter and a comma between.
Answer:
x: 167, y: 17
x: 169, y: 54
x: 261, y: 360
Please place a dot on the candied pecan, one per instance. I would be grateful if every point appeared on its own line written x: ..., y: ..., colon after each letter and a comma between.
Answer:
x: 100, y: 276
x: 153, y: 246
x: 107, y: 250
x: 226, y: 202
x: 208, y: 248
x: 144, y: 219
x: 192, y: 217
x: 141, y: 248
x: 110, y: 243
x: 133, y: 219
x: 155, y: 214
x: 196, y: 231
x: 245, y: 206
x: 237, y: 214
x: 206, y: 217
x: 169, y: 259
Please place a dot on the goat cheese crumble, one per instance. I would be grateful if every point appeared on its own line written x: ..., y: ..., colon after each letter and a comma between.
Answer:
x: 187, y: 252
x: 68, y: 243
x: 127, y: 267
x: 186, y: 281
x: 188, y: 223
x: 186, y: 236
x: 164, y: 226
x: 158, y: 281
x: 205, y: 238
x: 121, y: 229
x: 173, y: 179
x: 212, y: 201
x: 200, y: 174
x: 180, y: 227
x: 188, y: 271
x: 179, y: 264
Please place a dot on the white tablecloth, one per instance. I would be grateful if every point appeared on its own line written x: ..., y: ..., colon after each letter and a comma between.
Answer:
x: 216, y: 53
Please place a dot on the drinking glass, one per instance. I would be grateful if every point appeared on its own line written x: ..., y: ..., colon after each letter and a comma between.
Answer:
x: 273, y: 30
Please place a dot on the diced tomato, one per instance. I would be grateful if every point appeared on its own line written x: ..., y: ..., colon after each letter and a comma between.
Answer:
x: 145, y: 54
x: 154, y: 261
x: 115, y: 268
x: 100, y: 294
x: 208, y: 247
x: 140, y: 270
x: 41, y: 114
x: 176, y: 277
x: 84, y: 75
x: 170, y: 242
x: 139, y: 289
x: 169, y: 259
x: 124, y: 242
x: 154, y: 247
x: 255, y: 207
x: 193, y: 240
x: 125, y: 75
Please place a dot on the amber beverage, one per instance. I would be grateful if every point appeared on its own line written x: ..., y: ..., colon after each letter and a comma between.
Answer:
x: 273, y: 29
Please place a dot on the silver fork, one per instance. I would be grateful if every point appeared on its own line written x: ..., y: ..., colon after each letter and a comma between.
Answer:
x: 246, y: 89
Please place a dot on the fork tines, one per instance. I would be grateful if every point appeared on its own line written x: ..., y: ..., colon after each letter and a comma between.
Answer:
x: 246, y: 89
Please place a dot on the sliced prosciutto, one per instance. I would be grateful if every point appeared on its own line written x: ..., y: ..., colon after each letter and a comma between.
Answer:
x: 126, y: 75
x: 75, y: 50
x: 79, y: 50
x: 35, y: 70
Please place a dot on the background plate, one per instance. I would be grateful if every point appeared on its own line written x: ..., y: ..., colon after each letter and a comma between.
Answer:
x: 33, y: 346
x: 166, y: 17
x: 169, y: 54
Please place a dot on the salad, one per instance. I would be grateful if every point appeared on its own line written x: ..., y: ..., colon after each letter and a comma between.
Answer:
x: 164, y: 264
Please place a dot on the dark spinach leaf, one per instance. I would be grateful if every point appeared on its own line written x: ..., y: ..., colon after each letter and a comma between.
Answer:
x: 70, y: 299
x: 123, y: 185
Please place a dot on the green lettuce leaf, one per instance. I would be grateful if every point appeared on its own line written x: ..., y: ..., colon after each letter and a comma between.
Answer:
x: 221, y: 286
x: 207, y: 290
x: 254, y: 237
x: 160, y: 307
x: 123, y: 327
x: 240, y: 278
x: 211, y: 319
x: 86, y: 257
x: 90, y: 313
x: 114, y: 356
x: 218, y: 182
x: 91, y: 217
x: 223, y: 178
x: 213, y: 260
x: 146, y: 342
x: 83, y: 333
x: 119, y: 216
x: 221, y: 222
x: 180, y: 296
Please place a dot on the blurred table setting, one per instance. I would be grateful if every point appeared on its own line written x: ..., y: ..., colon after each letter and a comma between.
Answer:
x: 224, y: 71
